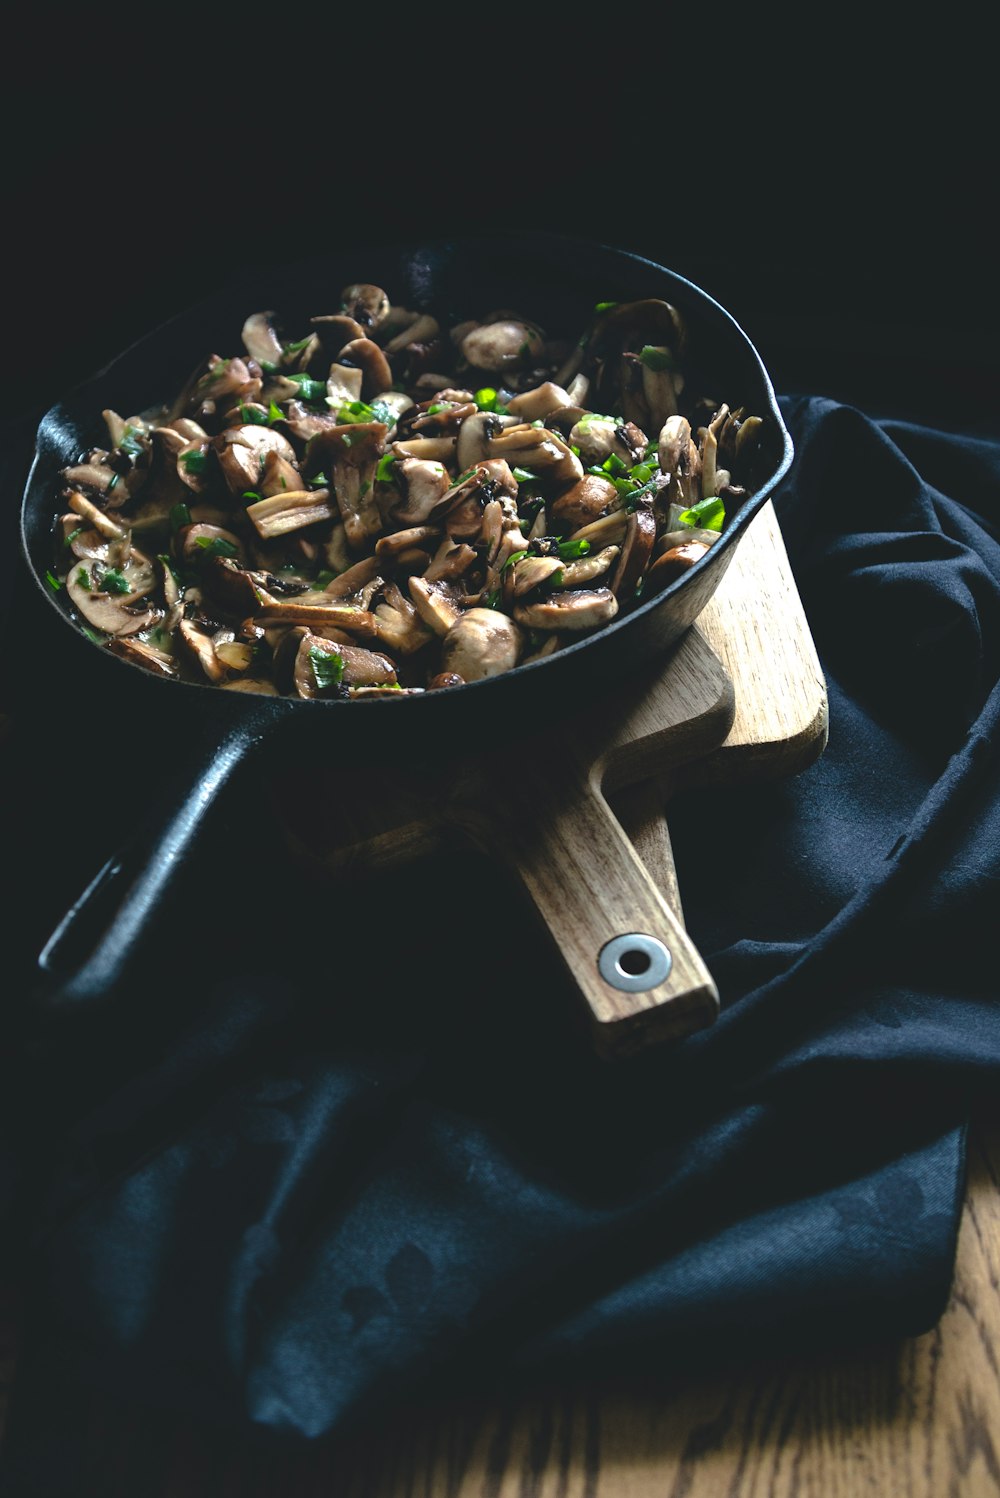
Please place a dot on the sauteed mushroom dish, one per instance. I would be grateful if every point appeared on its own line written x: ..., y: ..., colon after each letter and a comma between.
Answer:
x: 381, y: 502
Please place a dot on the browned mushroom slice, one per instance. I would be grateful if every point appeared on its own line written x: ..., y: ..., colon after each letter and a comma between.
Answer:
x: 640, y: 537
x: 354, y: 578
x: 322, y: 668
x: 250, y: 684
x: 580, y: 610
x: 106, y: 525
x: 532, y: 572
x: 586, y: 500
x: 435, y: 604
x: 316, y: 610
x: 242, y: 452
x: 445, y: 679
x: 609, y: 530
x: 629, y: 327
x: 233, y: 588
x: 538, y: 449
x: 196, y: 543
x: 364, y: 355
x: 173, y: 597
x: 429, y: 449
x: 225, y: 381
x: 533, y: 405
x: 284, y: 513
x: 141, y: 653
x: 334, y: 330
x: 97, y: 479
x: 417, y: 486
x: 712, y: 476
x: 503, y: 346
x: 367, y: 304
x: 482, y: 643
x: 680, y: 459
x: 110, y: 612
x: 201, y: 650
x: 423, y: 329
x: 450, y: 562
x: 674, y: 563
x: 393, y: 546
x: 260, y: 338
x: 476, y: 434
x: 278, y: 477
x: 352, y: 453
x: 193, y: 468
x: 578, y: 574
x: 398, y: 625
x: 600, y: 437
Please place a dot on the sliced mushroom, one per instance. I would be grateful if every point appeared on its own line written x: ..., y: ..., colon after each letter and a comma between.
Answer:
x: 106, y: 525
x: 351, y: 581
x: 502, y: 346
x: 315, y: 609
x: 476, y: 434
x: 538, y: 449
x: 674, y: 563
x: 576, y: 611
x: 260, y: 338
x: 201, y: 650
x: 110, y: 612
x: 198, y: 542
x: 356, y: 667
x: 419, y: 486
x: 279, y: 476
x: 141, y: 653
x: 336, y: 330
x: 595, y: 564
x: 283, y: 513
x: 364, y: 355
x: 242, y: 452
x: 640, y: 537
x: 435, y: 605
x: 352, y: 453
x: 482, y: 643
x: 534, y: 405
x: 586, y: 500
x: 422, y: 330
x: 532, y: 572
x: 367, y: 304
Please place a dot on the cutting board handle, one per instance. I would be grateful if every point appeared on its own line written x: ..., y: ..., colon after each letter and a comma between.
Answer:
x: 639, y: 972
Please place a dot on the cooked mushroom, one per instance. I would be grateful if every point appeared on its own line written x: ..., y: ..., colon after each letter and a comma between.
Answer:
x: 141, y: 653
x: 366, y: 356
x: 578, y: 610
x: 283, y: 513
x: 114, y: 612
x: 242, y: 451
x: 501, y: 346
x: 674, y: 563
x: 640, y: 536
x: 260, y: 338
x: 586, y: 500
x: 367, y: 304
x: 323, y: 668
x: 483, y: 642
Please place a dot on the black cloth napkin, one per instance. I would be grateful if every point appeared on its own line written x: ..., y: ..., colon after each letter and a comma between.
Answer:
x: 365, y: 1148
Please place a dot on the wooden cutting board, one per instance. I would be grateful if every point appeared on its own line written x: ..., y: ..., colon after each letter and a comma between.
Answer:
x: 741, y: 699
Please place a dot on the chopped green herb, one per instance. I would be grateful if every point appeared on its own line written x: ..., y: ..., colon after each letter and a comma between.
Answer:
x: 296, y: 348
x: 512, y: 560
x: 274, y: 414
x: 641, y: 473
x: 605, y: 306
x: 383, y: 472
x: 195, y: 461
x: 53, y: 581
x: 250, y: 494
x: 93, y: 636
x: 180, y: 516
x: 216, y: 546
x: 83, y: 578
x: 113, y: 482
x: 114, y: 581
x: 614, y: 466
x: 327, y: 667
x: 325, y: 577
x: 268, y: 366
x: 525, y: 476
x: 489, y: 400
x: 252, y: 417
x: 493, y: 599
x: 571, y: 550
x: 319, y: 480
x: 658, y: 359
x: 708, y: 514
x: 438, y: 406
x: 525, y: 350
x: 130, y: 443
x: 363, y: 489
x: 309, y: 390
x: 72, y: 536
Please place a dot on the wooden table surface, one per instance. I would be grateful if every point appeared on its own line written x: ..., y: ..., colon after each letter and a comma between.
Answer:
x: 913, y: 1419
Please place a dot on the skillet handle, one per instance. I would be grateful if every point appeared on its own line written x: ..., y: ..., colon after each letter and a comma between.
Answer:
x: 637, y: 969
x: 100, y: 936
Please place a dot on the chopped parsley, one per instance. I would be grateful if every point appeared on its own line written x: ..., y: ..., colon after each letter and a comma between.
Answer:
x: 114, y: 581
x: 180, y: 516
x: 571, y: 550
x: 525, y: 476
x: 384, y: 472
x: 327, y: 667
x: 216, y: 546
x: 309, y: 389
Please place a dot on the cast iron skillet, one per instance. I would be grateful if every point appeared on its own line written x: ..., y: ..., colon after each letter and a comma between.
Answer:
x: 554, y: 279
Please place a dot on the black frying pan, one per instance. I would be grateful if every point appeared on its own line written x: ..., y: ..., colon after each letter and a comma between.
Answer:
x: 553, y: 279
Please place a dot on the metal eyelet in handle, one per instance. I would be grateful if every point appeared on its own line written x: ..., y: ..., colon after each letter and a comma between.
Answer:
x: 634, y: 962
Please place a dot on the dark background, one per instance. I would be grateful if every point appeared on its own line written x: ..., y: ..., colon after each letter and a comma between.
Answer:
x: 835, y: 194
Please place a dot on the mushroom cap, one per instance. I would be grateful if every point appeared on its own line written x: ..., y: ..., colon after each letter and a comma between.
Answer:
x: 584, y: 608
x: 482, y: 643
